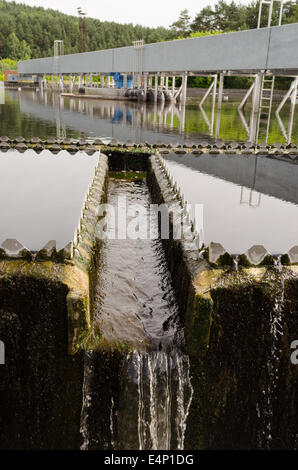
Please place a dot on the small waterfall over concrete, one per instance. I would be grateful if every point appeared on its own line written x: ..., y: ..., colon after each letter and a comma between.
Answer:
x: 265, y: 410
x: 160, y: 387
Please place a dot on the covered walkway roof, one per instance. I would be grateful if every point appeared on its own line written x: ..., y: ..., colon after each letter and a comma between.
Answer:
x: 273, y: 48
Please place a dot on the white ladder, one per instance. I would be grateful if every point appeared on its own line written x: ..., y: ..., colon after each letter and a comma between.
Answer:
x: 265, y: 106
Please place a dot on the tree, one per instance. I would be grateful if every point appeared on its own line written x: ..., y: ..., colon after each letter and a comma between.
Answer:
x: 223, y: 17
x: 12, y: 46
x: 182, y: 25
x: 24, y: 51
x: 16, y: 49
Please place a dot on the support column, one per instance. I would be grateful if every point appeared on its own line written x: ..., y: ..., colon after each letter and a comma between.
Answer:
x: 213, y: 103
x: 292, y: 110
x: 125, y: 80
x: 220, y: 93
x: 173, y: 84
x: 167, y: 82
x: 150, y: 81
x: 145, y: 84
x: 253, y: 124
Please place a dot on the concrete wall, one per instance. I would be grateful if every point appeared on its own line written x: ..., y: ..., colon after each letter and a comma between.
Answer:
x: 250, y: 50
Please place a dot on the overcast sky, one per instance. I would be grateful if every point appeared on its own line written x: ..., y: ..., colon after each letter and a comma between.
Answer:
x: 152, y: 13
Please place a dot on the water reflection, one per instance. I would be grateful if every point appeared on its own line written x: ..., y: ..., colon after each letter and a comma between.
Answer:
x: 47, y: 114
x: 41, y: 196
x: 2, y: 93
x: 246, y: 201
x: 118, y: 120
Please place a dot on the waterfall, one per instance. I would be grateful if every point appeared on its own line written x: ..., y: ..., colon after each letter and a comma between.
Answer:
x: 265, y: 411
x: 163, y: 398
x: 87, y: 400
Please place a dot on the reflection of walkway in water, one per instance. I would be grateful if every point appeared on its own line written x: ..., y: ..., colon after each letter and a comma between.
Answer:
x: 117, y: 120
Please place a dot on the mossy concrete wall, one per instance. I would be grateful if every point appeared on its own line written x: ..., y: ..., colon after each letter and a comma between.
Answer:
x: 245, y: 386
x: 45, y: 315
x: 41, y: 383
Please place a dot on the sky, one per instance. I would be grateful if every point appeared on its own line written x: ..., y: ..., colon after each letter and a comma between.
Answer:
x: 153, y: 13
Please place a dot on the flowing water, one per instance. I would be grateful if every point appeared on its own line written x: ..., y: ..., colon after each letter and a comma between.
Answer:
x: 135, y: 305
x: 265, y: 409
x: 159, y: 386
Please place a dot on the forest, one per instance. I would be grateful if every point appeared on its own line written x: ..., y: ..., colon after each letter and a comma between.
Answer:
x: 29, y: 32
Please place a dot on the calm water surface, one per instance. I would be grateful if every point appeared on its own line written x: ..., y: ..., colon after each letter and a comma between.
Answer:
x: 46, y: 114
x: 246, y: 200
x: 41, y: 196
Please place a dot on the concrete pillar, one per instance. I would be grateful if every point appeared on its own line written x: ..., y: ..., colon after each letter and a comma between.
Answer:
x: 150, y: 81
x: 108, y: 82
x: 167, y: 82
x: 184, y: 88
x: 162, y: 81
x: 253, y: 131
x: 145, y: 83
x: 173, y: 84
x: 220, y: 93
x: 125, y: 80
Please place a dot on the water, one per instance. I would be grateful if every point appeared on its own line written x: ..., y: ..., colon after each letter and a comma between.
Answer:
x: 265, y: 410
x: 46, y: 114
x: 161, y: 391
x: 246, y: 200
x: 135, y: 306
x: 42, y: 196
x: 134, y: 297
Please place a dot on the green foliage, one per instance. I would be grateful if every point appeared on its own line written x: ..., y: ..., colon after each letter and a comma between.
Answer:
x: 182, y: 25
x: 233, y: 16
x: 30, y: 31
x: 15, y: 49
x: 199, y: 34
x: 7, y: 64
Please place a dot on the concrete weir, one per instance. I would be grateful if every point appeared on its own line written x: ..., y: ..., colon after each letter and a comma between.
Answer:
x: 239, y: 322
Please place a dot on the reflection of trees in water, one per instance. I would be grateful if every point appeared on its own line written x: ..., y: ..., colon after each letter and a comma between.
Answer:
x: 29, y: 114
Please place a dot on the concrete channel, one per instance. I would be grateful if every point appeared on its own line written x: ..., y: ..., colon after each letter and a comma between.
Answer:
x: 234, y: 365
